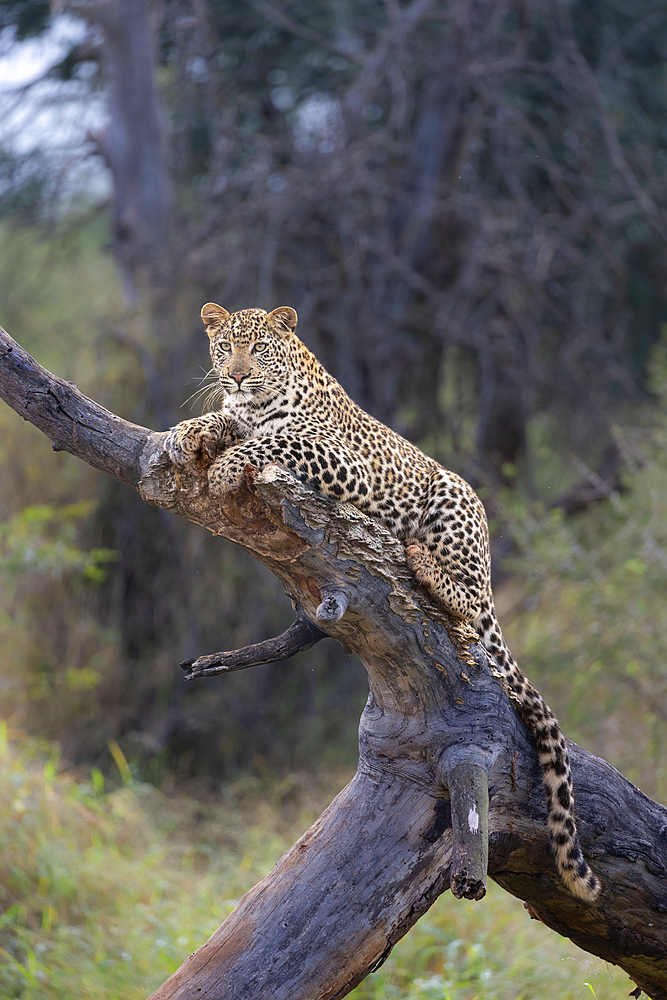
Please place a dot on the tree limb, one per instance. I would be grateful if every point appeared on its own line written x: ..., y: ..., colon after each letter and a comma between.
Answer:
x: 300, y: 636
x: 434, y: 732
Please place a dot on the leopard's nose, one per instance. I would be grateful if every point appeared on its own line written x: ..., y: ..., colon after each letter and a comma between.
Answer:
x: 239, y: 376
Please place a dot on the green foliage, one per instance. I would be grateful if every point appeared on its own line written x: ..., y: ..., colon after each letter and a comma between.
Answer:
x: 588, y: 626
x: 57, y: 652
x: 104, y: 893
x: 42, y: 540
x: 61, y: 290
x: 53, y: 666
x: 488, y: 951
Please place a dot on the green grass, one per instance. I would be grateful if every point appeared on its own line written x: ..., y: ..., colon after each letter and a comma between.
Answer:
x: 104, y: 893
x: 489, y: 951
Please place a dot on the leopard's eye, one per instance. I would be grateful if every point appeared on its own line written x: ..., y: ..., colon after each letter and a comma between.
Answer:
x: 225, y: 346
x: 260, y: 346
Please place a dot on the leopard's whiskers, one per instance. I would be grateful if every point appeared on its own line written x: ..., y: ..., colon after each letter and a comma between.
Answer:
x: 208, y: 387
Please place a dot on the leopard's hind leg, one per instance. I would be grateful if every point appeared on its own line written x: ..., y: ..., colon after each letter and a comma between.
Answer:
x: 450, y: 559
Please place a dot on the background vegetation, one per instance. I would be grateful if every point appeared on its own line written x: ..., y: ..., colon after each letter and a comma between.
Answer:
x: 466, y: 204
x: 95, y: 882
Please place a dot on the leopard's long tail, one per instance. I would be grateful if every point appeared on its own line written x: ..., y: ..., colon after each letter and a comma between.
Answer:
x: 556, y: 773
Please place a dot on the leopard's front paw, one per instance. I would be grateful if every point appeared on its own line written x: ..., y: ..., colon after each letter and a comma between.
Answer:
x: 190, y: 440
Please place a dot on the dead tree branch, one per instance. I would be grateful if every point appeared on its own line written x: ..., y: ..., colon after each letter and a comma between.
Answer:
x: 300, y: 636
x: 441, y: 750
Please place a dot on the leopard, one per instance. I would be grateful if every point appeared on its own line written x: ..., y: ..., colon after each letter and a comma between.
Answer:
x: 273, y: 402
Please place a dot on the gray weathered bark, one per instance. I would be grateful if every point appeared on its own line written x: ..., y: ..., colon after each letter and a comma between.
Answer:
x: 438, y: 737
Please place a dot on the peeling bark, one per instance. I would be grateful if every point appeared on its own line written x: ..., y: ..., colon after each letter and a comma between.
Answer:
x: 436, y: 733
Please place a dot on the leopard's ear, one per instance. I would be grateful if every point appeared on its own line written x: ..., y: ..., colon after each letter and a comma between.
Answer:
x: 213, y: 316
x: 283, y: 319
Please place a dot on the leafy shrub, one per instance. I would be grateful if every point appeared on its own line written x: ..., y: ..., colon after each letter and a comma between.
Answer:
x: 588, y: 625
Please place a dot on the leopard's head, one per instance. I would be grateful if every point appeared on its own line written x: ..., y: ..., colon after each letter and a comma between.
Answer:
x: 250, y: 350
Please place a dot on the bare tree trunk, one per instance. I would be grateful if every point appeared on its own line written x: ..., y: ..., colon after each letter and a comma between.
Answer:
x: 446, y: 770
x: 133, y: 142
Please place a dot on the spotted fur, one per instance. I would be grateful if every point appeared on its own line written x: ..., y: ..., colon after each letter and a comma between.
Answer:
x: 277, y: 403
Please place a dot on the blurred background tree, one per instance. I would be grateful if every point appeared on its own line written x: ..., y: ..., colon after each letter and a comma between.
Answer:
x: 466, y: 204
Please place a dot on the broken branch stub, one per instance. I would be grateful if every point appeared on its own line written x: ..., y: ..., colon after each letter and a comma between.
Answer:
x: 469, y: 797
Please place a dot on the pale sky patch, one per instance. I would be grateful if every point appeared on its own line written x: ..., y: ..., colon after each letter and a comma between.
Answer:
x: 53, y: 116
